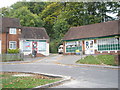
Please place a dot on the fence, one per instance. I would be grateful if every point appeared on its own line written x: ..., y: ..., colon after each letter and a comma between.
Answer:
x: 12, y: 57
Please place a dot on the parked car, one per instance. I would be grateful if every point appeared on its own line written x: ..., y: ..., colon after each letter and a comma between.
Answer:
x: 60, y: 49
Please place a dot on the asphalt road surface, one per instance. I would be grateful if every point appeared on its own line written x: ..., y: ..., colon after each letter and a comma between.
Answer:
x: 83, y: 77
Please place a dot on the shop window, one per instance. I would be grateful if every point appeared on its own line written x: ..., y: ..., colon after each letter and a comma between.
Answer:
x: 27, y: 46
x: 41, y: 46
x: 108, y: 44
x: 72, y: 46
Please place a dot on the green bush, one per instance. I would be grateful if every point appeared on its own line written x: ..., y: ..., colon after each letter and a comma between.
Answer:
x: 54, y: 44
x: 13, y: 51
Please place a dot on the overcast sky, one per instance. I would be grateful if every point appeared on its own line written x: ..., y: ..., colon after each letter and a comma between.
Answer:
x: 7, y: 3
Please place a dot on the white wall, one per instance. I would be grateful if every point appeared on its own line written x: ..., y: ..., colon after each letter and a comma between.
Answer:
x: 47, y: 49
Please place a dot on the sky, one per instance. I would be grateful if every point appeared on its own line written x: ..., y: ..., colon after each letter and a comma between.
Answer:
x: 7, y: 3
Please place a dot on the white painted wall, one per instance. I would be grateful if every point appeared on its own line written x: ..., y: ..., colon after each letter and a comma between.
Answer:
x: 47, y: 49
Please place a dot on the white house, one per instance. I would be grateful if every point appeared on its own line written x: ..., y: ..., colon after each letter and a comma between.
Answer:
x: 34, y: 38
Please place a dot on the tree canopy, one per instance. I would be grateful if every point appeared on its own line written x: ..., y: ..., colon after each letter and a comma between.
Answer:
x: 58, y: 17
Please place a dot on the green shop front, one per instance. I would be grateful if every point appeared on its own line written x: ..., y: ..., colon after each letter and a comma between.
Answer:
x: 96, y: 45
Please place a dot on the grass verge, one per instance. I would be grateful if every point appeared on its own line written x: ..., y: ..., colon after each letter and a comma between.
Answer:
x: 99, y: 60
x: 10, y: 81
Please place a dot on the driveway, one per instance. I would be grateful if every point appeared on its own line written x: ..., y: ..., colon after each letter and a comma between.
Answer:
x: 83, y: 77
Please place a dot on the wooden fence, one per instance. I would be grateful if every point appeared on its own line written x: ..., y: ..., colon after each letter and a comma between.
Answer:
x: 12, y: 57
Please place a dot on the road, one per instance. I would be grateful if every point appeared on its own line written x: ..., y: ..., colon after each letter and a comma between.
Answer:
x: 83, y: 77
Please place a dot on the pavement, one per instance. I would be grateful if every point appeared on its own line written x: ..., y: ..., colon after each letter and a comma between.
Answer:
x: 84, y: 76
x: 71, y: 59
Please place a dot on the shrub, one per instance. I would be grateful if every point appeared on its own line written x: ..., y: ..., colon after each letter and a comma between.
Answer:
x: 54, y: 44
x: 13, y: 51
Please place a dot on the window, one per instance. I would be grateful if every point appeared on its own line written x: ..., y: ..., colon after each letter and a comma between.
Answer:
x: 12, y: 31
x: 12, y: 44
x: 108, y: 44
x: 27, y: 46
x: 41, y: 46
x: 72, y: 46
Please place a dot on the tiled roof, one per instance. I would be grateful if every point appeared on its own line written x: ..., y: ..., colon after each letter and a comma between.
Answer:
x: 9, y: 22
x: 34, y: 33
x: 93, y: 30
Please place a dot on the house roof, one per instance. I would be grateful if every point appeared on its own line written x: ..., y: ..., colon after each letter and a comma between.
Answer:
x: 94, y: 30
x: 34, y: 33
x: 9, y: 22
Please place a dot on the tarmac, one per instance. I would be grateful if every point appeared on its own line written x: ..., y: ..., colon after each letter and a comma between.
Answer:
x: 68, y: 60
x: 84, y: 75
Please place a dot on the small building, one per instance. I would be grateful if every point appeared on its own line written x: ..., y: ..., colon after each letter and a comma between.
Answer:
x: 26, y: 39
x: 99, y: 38
x: 34, y: 38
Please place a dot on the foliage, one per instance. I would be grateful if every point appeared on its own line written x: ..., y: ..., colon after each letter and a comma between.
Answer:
x: 26, y: 17
x: 99, y: 59
x: 4, y: 11
x: 60, y: 28
x: 54, y: 45
x: 49, y: 16
x: 57, y: 17
x: 14, y: 51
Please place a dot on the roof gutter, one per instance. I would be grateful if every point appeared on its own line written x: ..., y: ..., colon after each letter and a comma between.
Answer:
x: 93, y: 38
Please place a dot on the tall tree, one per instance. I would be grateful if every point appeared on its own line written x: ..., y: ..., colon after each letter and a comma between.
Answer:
x: 4, y: 11
x: 60, y: 28
x: 50, y: 14
x: 26, y: 17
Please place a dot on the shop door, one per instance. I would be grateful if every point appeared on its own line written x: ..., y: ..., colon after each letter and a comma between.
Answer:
x: 34, y: 45
x: 89, y: 47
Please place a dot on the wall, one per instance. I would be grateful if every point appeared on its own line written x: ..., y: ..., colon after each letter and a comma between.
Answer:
x: 4, y: 44
x: 9, y: 37
x: 14, y: 37
x: 108, y: 52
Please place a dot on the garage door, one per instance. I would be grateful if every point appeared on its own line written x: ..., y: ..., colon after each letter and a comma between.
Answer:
x: 0, y: 46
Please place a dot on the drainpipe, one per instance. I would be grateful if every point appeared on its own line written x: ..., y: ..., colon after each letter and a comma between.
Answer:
x: 6, y: 42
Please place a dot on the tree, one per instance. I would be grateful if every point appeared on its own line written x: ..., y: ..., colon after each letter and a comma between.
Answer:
x: 49, y: 16
x: 26, y: 17
x: 60, y: 28
x: 4, y: 11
